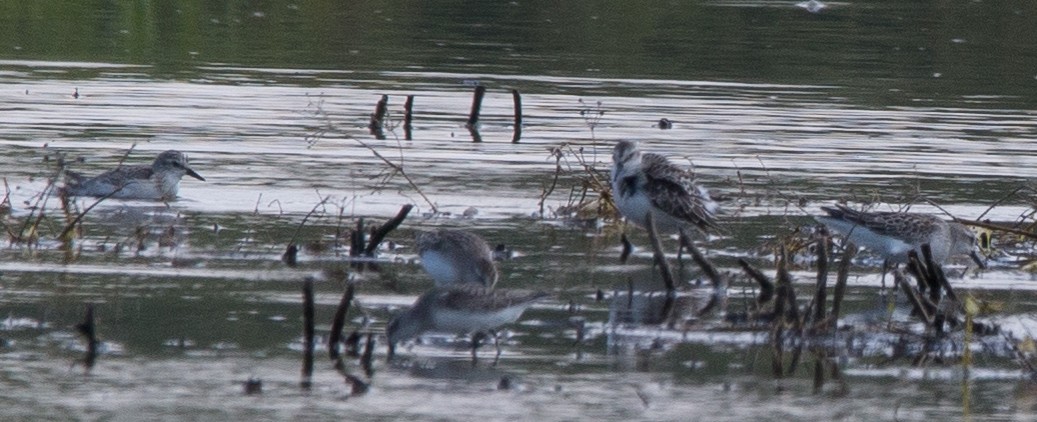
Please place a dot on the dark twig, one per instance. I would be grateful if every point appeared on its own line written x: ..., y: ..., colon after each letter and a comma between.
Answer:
x: 473, y: 116
x: 378, y: 117
x: 307, y: 333
x: 518, y: 116
x: 912, y: 295
x: 766, y: 285
x: 356, y: 239
x: 339, y: 321
x: 384, y: 229
x: 89, y: 330
x: 841, y: 278
x: 365, y: 359
x: 821, y: 294
x: 408, y: 117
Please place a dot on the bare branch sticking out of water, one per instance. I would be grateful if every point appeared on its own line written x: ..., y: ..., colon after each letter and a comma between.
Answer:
x: 394, y: 168
x: 766, y: 285
x: 380, y: 110
x: 384, y: 229
x: 89, y: 330
x: 366, y: 359
x: 841, y: 278
x: 821, y: 289
x: 517, y: 99
x: 591, y: 115
x: 408, y: 117
x: 308, y: 334
x: 473, y: 115
x: 582, y: 203
x: 292, y: 249
x: 337, y: 322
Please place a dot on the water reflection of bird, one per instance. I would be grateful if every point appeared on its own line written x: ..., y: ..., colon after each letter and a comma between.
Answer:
x: 456, y: 256
x: 460, y: 308
x: 646, y: 182
x: 159, y: 181
x: 894, y: 234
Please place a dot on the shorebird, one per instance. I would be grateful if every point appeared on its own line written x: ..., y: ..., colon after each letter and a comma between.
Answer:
x: 456, y: 256
x: 646, y: 182
x: 461, y: 309
x: 159, y: 181
x: 894, y: 234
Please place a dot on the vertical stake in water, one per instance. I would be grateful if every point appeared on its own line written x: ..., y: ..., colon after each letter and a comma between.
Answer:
x: 518, y: 116
x: 378, y: 117
x: 89, y: 330
x: 821, y: 295
x: 339, y: 321
x: 473, y: 117
x: 307, y: 334
x: 408, y: 117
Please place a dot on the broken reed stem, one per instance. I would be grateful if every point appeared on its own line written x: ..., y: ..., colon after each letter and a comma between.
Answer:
x: 766, y: 285
x: 408, y: 117
x: 785, y: 291
x: 307, y: 333
x: 88, y: 329
x: 398, y: 169
x: 378, y: 117
x: 339, y: 321
x: 384, y: 229
x: 914, y: 265
x: 356, y: 238
x: 821, y: 293
x: 291, y: 255
x: 841, y: 278
x: 912, y: 295
x: 473, y: 116
x: 700, y: 259
x: 79, y: 217
x: 660, y: 258
x: 365, y: 359
x: 518, y: 116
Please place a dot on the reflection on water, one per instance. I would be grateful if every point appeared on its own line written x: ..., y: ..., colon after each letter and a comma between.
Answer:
x: 779, y: 110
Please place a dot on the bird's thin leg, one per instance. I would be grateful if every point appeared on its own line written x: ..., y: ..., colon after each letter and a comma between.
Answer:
x: 477, y: 339
x: 885, y: 268
x: 496, y: 344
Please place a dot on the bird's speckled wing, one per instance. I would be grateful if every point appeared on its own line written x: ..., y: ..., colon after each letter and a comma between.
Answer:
x: 898, y: 225
x: 473, y: 297
x: 126, y: 174
x: 673, y: 190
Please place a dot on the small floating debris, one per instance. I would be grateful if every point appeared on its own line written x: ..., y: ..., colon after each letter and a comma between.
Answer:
x: 812, y: 6
x: 253, y: 386
x: 665, y: 123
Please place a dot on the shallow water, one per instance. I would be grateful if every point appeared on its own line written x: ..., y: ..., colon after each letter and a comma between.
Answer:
x: 778, y: 109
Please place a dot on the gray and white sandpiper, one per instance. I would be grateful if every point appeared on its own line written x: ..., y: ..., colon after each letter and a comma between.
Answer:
x: 455, y: 257
x: 645, y: 183
x: 460, y: 309
x: 160, y: 181
x: 894, y: 234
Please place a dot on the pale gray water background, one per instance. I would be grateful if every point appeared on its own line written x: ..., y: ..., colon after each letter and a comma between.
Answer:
x: 780, y: 109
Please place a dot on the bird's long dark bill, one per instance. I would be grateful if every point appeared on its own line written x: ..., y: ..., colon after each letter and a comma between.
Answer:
x: 979, y: 261
x: 194, y: 175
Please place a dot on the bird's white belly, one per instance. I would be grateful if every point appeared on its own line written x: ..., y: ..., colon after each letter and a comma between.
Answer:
x: 466, y: 321
x: 440, y: 267
x: 637, y: 206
